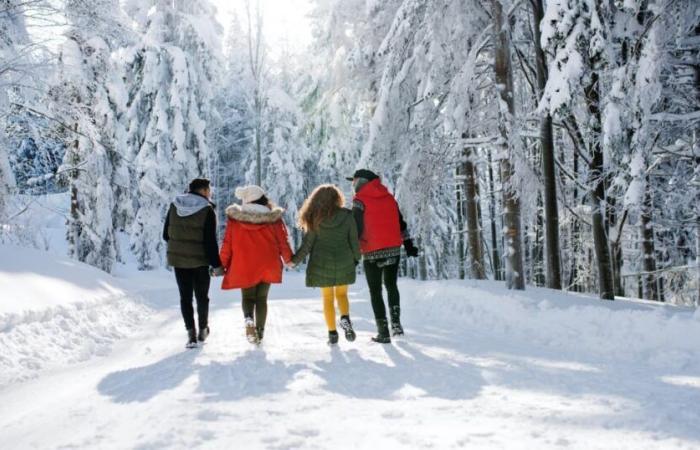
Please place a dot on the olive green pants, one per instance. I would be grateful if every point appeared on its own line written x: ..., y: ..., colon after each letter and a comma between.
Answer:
x: 255, y: 304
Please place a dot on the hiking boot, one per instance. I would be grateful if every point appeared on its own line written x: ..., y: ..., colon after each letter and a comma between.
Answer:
x: 332, y: 337
x: 346, y: 325
x: 251, y: 333
x: 203, y: 334
x: 191, y: 338
x: 382, y: 336
x: 396, y: 328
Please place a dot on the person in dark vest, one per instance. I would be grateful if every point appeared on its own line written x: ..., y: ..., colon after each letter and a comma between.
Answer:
x: 382, y: 231
x: 190, y: 231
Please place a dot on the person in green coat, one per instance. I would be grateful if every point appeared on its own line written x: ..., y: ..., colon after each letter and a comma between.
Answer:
x: 331, y: 242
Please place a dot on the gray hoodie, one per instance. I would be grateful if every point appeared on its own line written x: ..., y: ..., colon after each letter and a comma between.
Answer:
x: 189, y: 204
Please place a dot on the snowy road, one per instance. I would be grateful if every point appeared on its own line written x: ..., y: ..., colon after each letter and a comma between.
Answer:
x: 440, y: 387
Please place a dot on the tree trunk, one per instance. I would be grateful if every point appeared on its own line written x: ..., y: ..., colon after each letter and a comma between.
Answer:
x: 615, y: 248
x: 461, y: 273
x: 476, y: 257
x: 551, y: 208
x: 597, y: 195
x: 650, y: 290
x: 495, y: 256
x: 697, y: 257
x: 538, y: 274
x: 574, y: 283
x: 511, y: 203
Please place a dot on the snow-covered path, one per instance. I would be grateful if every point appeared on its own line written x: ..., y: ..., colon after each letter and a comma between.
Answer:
x: 444, y: 385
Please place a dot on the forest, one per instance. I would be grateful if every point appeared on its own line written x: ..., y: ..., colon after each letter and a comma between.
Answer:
x: 550, y: 143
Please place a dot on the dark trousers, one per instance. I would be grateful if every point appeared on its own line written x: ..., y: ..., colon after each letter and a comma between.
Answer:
x: 376, y: 272
x: 255, y: 304
x: 194, y: 281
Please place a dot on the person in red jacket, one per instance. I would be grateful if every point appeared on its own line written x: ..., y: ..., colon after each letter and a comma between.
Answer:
x: 382, y: 231
x: 253, y: 251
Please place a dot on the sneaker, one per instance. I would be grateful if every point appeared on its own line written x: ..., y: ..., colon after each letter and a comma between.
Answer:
x: 251, y: 333
x: 332, y: 337
x: 191, y: 338
x: 346, y: 325
x: 203, y: 334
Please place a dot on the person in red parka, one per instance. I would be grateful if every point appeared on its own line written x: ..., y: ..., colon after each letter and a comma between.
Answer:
x: 382, y: 231
x: 254, y: 249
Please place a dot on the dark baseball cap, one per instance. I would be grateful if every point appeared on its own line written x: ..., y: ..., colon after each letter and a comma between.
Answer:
x: 363, y: 173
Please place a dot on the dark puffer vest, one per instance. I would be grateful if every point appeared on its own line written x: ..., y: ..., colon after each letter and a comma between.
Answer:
x: 185, y: 231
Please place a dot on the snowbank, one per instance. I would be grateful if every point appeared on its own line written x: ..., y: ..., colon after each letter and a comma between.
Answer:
x: 624, y: 330
x: 55, y: 311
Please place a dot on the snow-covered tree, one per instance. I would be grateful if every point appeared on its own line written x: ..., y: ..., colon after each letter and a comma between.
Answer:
x: 13, y: 66
x: 170, y: 74
x: 89, y: 98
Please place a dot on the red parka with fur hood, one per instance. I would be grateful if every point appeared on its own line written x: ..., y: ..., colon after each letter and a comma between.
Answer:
x: 255, y: 245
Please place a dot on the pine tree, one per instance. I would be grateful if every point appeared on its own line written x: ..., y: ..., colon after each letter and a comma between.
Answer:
x: 170, y: 73
x: 87, y: 93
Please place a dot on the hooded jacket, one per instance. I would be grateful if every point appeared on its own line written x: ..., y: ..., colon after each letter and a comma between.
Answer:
x: 333, y: 250
x: 380, y: 224
x: 190, y: 231
x: 255, y: 245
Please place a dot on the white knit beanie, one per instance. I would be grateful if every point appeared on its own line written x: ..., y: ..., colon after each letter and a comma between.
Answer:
x: 248, y: 194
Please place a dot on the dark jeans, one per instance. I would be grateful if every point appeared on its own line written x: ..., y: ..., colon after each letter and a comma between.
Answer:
x: 195, y: 281
x: 375, y: 271
x: 255, y: 304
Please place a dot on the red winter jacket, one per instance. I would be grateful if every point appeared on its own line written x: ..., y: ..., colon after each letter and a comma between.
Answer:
x: 254, y: 247
x: 382, y: 227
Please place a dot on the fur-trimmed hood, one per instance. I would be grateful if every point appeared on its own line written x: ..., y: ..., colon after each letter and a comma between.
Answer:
x: 254, y: 213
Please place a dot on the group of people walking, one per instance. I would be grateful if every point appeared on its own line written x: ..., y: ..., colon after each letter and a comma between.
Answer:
x: 256, y: 246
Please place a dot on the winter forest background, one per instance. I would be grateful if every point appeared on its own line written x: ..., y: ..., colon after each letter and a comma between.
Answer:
x: 542, y: 142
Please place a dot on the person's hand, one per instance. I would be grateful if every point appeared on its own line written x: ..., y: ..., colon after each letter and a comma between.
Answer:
x: 411, y: 250
x: 290, y: 265
x: 217, y: 271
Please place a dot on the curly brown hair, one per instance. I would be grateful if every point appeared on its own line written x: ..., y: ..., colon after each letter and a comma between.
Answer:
x: 323, y: 202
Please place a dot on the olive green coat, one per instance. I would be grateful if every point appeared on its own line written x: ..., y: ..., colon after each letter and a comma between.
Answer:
x: 333, y: 250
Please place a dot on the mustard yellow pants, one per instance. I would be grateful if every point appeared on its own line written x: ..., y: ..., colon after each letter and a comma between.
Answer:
x: 330, y: 295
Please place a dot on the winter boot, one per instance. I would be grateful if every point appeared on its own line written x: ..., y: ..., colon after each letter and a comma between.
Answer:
x: 191, y: 338
x: 203, y: 334
x: 332, y: 337
x: 396, y: 328
x: 382, y: 336
x: 251, y: 333
x: 261, y: 332
x: 346, y: 325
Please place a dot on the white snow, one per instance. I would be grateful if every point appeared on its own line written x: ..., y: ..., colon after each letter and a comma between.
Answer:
x: 55, y: 311
x: 479, y: 367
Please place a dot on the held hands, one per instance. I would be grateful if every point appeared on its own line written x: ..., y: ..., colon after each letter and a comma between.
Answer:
x: 217, y: 271
x: 290, y: 265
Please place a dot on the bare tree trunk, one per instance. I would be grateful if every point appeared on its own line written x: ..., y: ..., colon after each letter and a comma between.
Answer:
x: 74, y: 218
x: 615, y: 247
x: 461, y: 272
x: 597, y: 195
x: 648, y: 251
x: 538, y: 274
x: 495, y: 256
x: 551, y: 208
x: 476, y: 257
x: 515, y: 278
x: 697, y: 257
